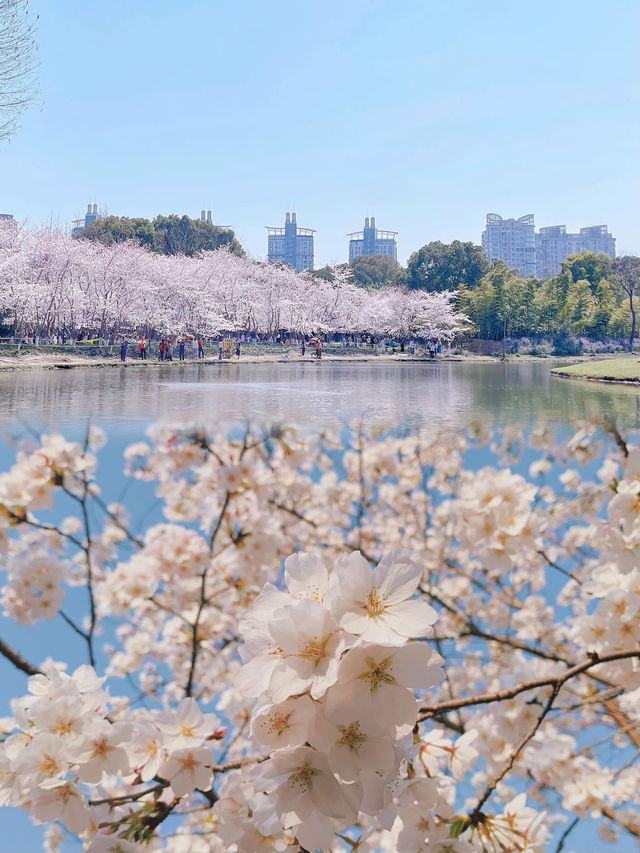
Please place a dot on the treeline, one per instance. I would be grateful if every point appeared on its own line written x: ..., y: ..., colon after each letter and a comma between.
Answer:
x: 592, y: 296
x: 54, y: 286
x: 166, y: 235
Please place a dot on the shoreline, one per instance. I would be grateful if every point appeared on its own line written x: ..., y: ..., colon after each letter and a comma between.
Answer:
x: 45, y: 362
x: 616, y: 371
x: 67, y: 361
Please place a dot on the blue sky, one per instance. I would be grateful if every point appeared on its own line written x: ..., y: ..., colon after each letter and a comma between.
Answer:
x: 425, y: 114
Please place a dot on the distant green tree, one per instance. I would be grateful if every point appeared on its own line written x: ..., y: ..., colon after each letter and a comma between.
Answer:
x: 446, y: 266
x: 374, y: 271
x: 498, y: 304
x: 606, y: 304
x: 326, y: 272
x: 169, y: 235
x: 118, y: 229
x: 181, y: 235
x: 626, y: 276
x: 580, y: 307
x: 547, y: 304
x: 588, y: 266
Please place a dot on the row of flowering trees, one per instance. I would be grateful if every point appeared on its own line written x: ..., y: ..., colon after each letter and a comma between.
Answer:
x: 252, y: 684
x: 53, y: 285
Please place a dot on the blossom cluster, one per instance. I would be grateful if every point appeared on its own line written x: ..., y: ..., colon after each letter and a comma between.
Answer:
x: 70, y: 740
x: 333, y: 662
x: 278, y: 690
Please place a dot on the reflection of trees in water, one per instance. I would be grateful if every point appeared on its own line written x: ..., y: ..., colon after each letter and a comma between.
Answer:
x: 528, y: 393
x: 441, y: 394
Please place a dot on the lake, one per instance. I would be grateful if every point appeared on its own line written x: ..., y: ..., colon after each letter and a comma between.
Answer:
x: 439, y: 394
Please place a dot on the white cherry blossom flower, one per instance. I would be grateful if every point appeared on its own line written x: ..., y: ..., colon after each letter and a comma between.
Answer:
x: 186, y: 725
x: 65, y: 803
x: 306, y: 794
x: 284, y: 724
x: 377, y: 605
x: 43, y: 763
x: 306, y: 576
x: 375, y: 680
x: 187, y: 769
x: 101, y: 750
x: 351, y: 749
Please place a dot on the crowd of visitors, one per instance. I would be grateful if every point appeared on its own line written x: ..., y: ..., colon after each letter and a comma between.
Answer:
x: 228, y: 346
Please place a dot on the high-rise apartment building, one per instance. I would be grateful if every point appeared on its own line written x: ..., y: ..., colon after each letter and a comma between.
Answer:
x: 554, y: 244
x: 291, y: 244
x: 511, y: 240
x: 515, y: 242
x: 371, y: 241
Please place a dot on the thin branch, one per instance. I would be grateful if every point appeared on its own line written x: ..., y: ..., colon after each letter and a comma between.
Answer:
x: 114, y: 518
x: 558, y: 568
x: 428, y: 711
x: 609, y: 426
x: 565, y: 834
x: 512, y: 758
x: 129, y: 798
x: 17, y: 660
x: 73, y: 625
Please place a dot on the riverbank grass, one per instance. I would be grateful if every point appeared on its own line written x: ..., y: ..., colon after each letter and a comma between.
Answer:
x: 611, y: 370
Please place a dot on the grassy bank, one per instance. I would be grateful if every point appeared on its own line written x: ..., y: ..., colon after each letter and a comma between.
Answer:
x: 625, y: 369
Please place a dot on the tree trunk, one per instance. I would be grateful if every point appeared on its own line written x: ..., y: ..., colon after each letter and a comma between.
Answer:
x: 633, y: 320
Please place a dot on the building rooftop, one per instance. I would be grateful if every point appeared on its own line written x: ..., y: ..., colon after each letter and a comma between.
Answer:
x: 305, y: 232
x: 380, y: 235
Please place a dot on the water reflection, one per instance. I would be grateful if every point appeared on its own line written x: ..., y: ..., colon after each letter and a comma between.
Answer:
x: 314, y: 394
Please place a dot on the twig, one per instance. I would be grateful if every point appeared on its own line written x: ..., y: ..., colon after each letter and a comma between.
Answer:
x: 17, y: 660
x: 512, y: 758
x: 428, y: 711
x: 565, y: 834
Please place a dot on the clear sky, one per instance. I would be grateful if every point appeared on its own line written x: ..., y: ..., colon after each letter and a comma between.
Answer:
x: 425, y: 114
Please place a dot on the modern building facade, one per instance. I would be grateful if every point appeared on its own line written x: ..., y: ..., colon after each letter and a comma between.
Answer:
x: 90, y: 217
x: 291, y: 245
x: 511, y: 240
x: 554, y: 245
x: 371, y: 241
x: 515, y: 242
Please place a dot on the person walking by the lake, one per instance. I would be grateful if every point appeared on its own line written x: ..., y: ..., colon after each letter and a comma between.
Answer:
x: 161, y: 349
x: 123, y: 350
x: 200, y: 348
x: 318, y: 348
x: 220, y: 351
x: 181, y: 349
x: 168, y: 351
x: 237, y: 349
x: 142, y: 349
x: 303, y: 348
x: 194, y: 347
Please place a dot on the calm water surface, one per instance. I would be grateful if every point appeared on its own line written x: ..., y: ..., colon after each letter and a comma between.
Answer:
x: 441, y: 394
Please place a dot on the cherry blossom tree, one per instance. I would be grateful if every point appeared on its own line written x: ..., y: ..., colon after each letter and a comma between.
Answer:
x: 51, y: 285
x: 336, y: 642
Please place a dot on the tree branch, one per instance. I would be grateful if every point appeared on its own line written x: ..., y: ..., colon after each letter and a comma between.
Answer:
x: 17, y: 660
